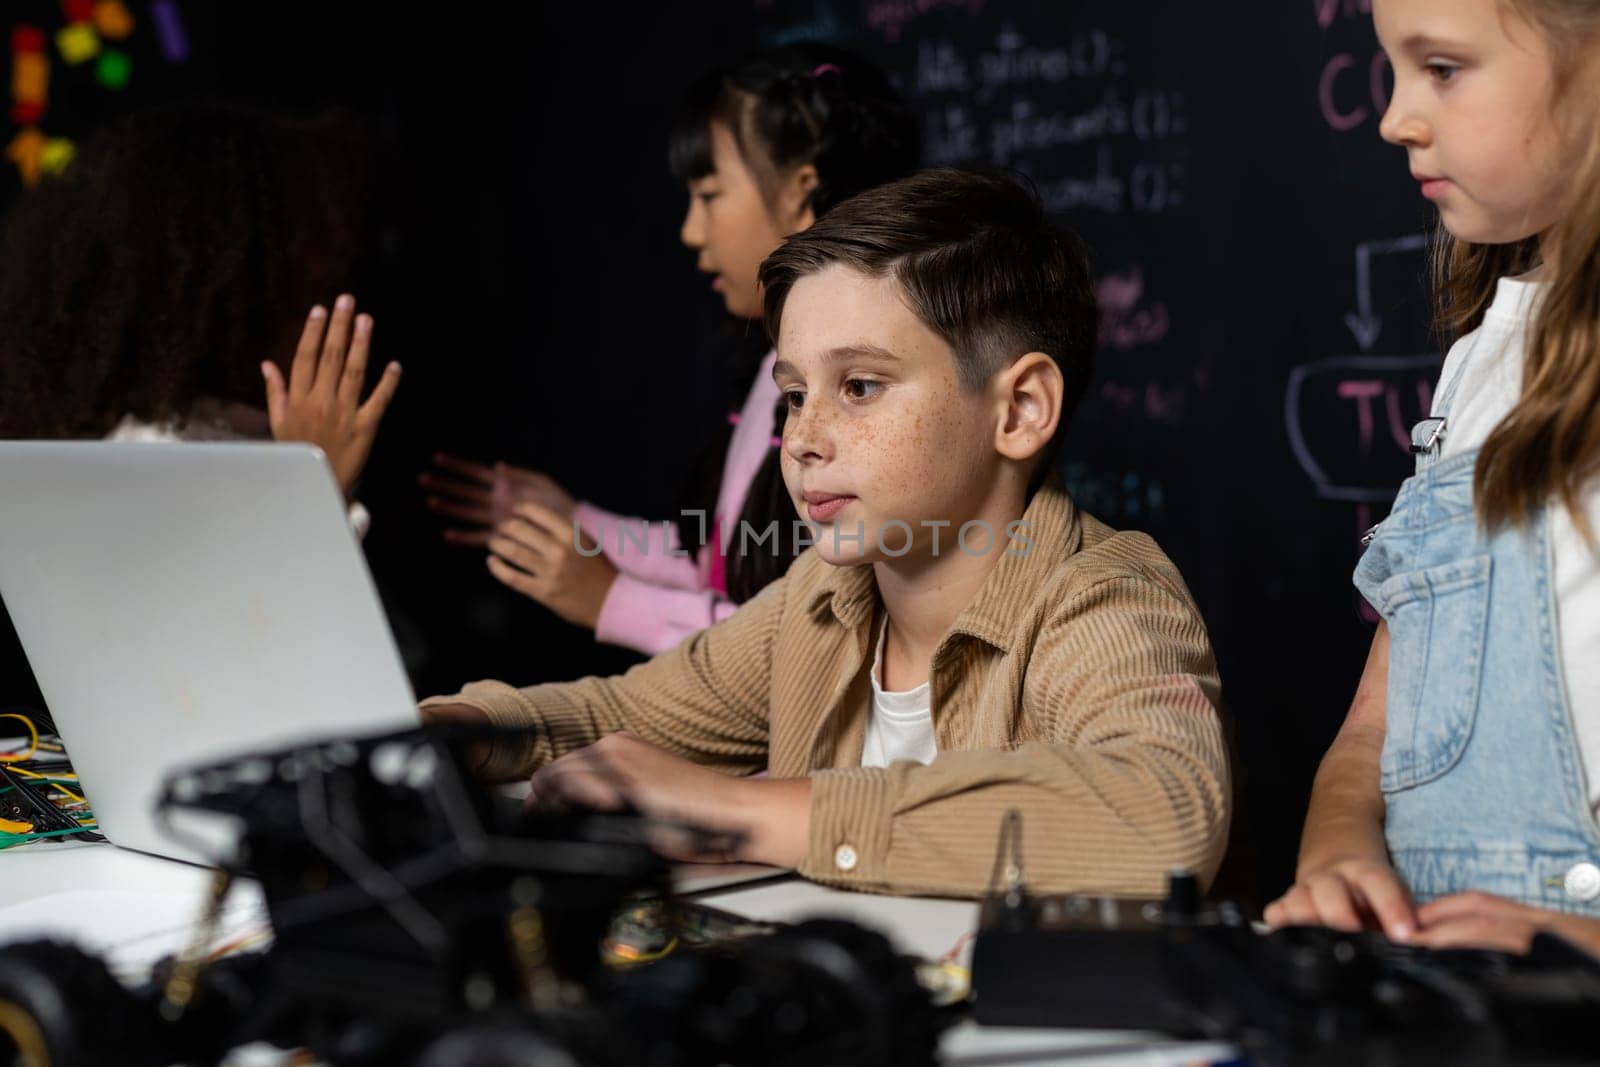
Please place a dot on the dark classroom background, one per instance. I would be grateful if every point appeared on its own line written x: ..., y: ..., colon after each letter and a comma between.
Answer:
x: 1260, y: 256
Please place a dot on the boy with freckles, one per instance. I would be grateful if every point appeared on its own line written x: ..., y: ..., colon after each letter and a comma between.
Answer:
x: 960, y: 640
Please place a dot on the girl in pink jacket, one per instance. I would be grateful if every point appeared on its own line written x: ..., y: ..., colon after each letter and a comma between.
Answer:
x: 766, y: 146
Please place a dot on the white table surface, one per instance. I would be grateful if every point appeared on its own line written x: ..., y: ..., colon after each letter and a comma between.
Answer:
x: 134, y: 907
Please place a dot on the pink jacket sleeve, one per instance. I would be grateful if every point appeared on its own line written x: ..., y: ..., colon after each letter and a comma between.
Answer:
x: 659, y: 597
x: 652, y: 619
x: 662, y: 594
x: 638, y: 548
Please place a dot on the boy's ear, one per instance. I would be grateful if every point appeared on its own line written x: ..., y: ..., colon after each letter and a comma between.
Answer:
x: 795, y: 198
x: 1029, y: 392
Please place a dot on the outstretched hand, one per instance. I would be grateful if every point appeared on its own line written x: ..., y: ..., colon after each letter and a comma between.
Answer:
x: 536, y: 552
x: 321, y: 402
x: 481, y: 496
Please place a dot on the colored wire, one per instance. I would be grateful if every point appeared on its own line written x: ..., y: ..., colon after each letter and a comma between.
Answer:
x: 41, y: 776
x: 240, y: 943
x: 52, y: 780
x: 23, y: 839
x: 33, y: 735
x: 627, y: 954
x: 955, y: 952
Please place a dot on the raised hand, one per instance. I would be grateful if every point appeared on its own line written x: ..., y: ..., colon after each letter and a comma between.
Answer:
x: 321, y: 403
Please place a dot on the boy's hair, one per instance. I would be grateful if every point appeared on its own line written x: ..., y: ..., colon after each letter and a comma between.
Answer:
x: 980, y: 265
x: 180, y: 247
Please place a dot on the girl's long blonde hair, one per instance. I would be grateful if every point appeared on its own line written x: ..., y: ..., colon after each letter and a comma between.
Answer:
x: 1549, y: 445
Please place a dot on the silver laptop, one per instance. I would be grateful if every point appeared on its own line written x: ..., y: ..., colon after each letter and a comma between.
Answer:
x: 188, y: 602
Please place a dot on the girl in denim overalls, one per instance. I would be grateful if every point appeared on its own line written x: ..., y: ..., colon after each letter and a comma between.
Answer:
x: 1458, y: 804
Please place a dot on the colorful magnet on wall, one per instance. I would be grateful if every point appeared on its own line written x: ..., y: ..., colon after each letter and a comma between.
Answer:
x: 56, y: 155
x: 30, y: 75
x: 25, y: 151
x: 78, y: 10
x: 170, y: 30
x: 27, y: 39
x: 113, y: 19
x: 113, y: 70
x: 78, y: 43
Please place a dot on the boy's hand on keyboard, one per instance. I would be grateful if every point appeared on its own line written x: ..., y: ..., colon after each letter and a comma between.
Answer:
x: 321, y: 402
x: 481, y: 497
x: 769, y: 817
x: 1350, y: 894
x: 535, y: 553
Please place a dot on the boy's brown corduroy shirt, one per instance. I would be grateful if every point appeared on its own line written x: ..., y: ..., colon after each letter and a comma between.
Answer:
x: 1078, y: 687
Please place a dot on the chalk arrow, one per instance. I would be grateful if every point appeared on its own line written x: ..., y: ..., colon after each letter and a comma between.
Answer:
x: 1366, y: 327
x: 1363, y: 322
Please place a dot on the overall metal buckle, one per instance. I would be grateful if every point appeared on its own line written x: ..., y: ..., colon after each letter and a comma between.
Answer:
x: 1426, y: 435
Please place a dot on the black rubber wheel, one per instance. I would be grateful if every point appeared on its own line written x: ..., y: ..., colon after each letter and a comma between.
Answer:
x: 60, y: 1007
x: 867, y: 1012
x: 826, y: 991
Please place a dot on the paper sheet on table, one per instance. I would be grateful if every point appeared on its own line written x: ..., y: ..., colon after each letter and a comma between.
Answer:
x: 131, y: 931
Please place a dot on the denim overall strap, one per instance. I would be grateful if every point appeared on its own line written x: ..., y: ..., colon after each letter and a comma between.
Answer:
x: 1480, y: 768
x: 1427, y: 440
x: 1427, y: 436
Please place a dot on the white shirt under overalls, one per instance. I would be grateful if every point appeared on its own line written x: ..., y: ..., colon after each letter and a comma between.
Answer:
x: 1491, y: 384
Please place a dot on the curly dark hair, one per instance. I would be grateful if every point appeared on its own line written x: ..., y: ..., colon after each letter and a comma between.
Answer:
x: 181, y: 248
